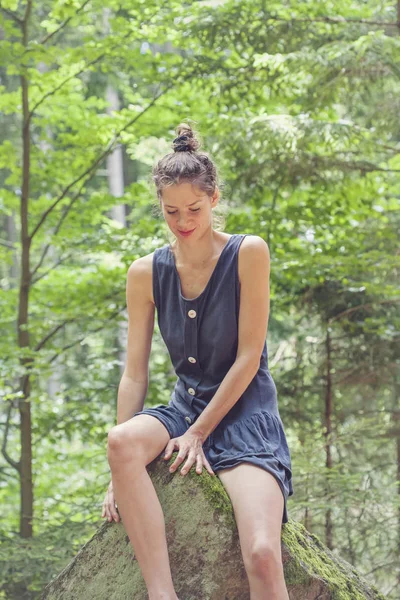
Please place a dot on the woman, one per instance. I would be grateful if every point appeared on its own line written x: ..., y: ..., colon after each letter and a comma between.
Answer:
x: 211, y: 291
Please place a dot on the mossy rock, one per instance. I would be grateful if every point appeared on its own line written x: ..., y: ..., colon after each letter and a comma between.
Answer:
x: 204, y: 550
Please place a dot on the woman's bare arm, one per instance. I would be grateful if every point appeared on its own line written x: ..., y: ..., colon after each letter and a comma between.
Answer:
x: 133, y: 386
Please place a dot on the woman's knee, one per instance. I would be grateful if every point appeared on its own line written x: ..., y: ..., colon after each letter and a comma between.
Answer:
x: 123, y: 446
x: 263, y: 557
x: 140, y: 439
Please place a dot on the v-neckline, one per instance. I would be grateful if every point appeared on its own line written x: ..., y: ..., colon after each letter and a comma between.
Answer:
x: 210, y: 278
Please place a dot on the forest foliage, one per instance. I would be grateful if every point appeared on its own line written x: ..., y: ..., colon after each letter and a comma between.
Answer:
x: 298, y: 104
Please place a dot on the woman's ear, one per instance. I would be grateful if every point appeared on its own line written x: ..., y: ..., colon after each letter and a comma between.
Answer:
x: 215, y: 198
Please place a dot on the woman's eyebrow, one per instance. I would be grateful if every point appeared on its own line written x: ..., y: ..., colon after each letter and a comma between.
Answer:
x: 170, y: 205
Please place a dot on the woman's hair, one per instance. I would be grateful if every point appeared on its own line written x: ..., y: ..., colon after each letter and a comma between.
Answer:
x: 186, y: 164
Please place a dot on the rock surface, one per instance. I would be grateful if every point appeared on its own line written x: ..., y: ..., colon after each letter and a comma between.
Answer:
x: 206, y: 561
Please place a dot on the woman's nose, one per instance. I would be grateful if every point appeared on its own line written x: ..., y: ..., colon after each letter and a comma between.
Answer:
x: 183, y: 224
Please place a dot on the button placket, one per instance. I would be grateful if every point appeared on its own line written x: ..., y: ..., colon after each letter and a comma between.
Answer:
x: 190, y: 345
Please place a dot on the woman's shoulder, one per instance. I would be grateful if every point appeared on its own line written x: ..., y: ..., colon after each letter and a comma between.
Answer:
x: 251, y: 245
x: 253, y: 252
x: 141, y: 271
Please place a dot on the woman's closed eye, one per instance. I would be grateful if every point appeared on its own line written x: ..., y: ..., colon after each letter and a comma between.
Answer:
x: 191, y: 210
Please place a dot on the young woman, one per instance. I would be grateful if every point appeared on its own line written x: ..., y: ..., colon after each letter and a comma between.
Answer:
x: 211, y: 291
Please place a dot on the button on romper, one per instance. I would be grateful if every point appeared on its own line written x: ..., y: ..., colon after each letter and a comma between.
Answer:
x: 201, y: 335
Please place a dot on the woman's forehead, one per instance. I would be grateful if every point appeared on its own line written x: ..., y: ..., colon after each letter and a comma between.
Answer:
x: 182, y: 193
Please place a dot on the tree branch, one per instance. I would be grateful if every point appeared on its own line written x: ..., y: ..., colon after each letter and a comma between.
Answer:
x: 51, y: 333
x: 84, y: 68
x: 57, y: 328
x: 62, y: 218
x: 69, y: 413
x: 28, y: 10
x: 90, y: 171
x: 54, y: 90
x: 7, y: 244
x: 64, y: 24
x: 335, y: 20
x: 59, y: 262
x: 8, y: 458
x: 367, y: 305
x: 79, y: 340
x: 16, y: 18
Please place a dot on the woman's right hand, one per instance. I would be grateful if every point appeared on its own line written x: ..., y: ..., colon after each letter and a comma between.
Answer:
x: 109, y: 507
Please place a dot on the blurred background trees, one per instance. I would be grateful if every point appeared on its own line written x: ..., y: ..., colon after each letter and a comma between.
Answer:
x: 298, y: 105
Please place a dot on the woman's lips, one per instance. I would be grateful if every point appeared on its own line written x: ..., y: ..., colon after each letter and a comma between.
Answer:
x: 185, y: 233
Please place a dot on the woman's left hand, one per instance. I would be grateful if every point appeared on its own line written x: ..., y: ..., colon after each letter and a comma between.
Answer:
x: 189, y: 444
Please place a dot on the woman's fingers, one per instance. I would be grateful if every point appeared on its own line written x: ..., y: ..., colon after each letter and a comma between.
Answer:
x: 190, y: 461
x: 104, y: 512
x: 194, y: 452
x: 113, y: 512
x: 200, y: 460
x: 208, y: 466
x: 112, y: 508
x: 109, y: 510
x: 170, y: 447
x: 199, y: 464
x: 179, y: 459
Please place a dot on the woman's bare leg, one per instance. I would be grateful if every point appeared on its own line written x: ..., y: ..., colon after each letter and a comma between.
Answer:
x: 131, y: 446
x: 257, y: 502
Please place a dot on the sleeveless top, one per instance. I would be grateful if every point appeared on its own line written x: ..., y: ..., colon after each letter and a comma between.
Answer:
x: 201, y: 335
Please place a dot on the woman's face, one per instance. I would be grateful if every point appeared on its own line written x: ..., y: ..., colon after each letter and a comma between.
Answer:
x: 187, y: 208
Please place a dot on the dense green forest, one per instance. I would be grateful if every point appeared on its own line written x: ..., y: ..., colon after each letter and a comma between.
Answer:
x: 298, y: 104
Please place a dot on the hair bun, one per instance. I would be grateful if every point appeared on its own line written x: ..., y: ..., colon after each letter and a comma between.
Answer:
x: 185, y: 140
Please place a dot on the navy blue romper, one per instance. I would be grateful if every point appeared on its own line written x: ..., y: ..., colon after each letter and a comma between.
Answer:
x: 201, y: 335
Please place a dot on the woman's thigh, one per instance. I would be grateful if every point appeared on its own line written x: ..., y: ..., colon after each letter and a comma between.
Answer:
x: 257, y: 502
x: 141, y: 436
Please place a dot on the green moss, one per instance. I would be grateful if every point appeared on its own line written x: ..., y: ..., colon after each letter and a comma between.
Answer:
x: 295, y: 575
x: 213, y: 489
x: 310, y: 556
